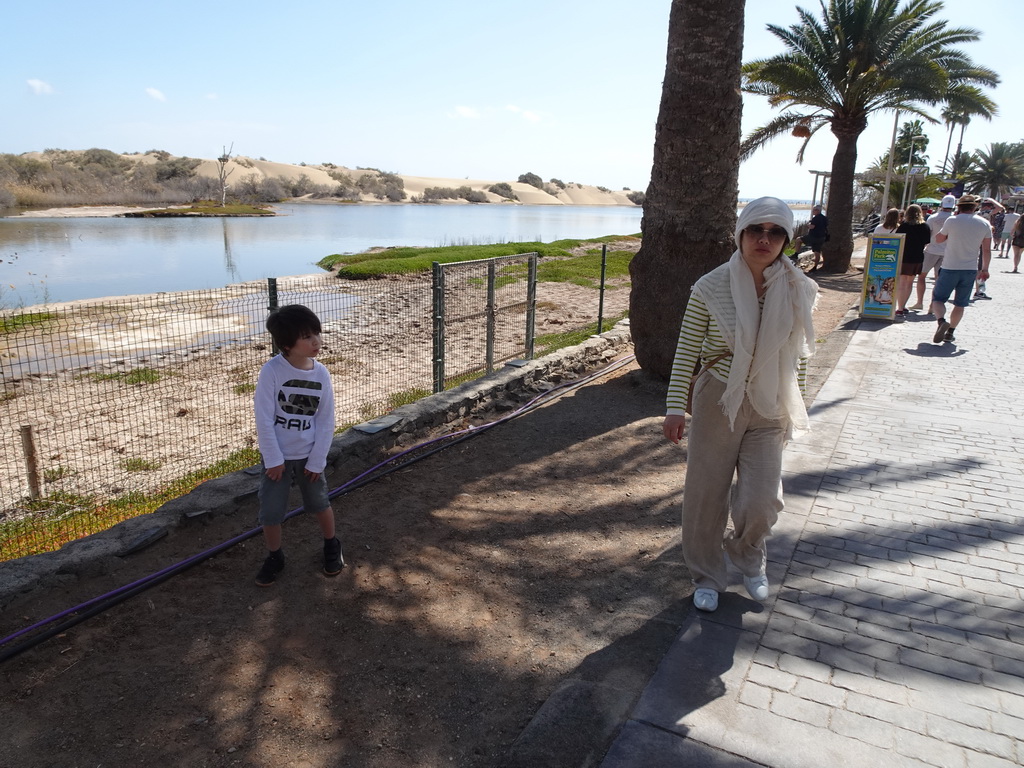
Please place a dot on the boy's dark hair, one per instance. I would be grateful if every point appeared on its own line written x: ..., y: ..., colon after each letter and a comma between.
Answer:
x: 287, y: 324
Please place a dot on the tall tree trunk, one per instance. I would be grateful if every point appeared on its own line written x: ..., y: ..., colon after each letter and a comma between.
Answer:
x: 690, y: 208
x: 960, y: 148
x: 949, y: 143
x: 838, y: 251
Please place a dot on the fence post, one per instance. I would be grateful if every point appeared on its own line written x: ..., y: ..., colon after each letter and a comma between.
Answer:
x: 531, y: 304
x: 490, y: 315
x: 600, y: 301
x: 28, y: 445
x: 438, y: 310
x: 272, y: 304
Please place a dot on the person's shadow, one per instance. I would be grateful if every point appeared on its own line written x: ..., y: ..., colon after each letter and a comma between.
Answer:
x: 947, y: 349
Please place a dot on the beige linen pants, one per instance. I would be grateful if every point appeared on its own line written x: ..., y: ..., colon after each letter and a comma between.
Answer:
x: 752, y: 453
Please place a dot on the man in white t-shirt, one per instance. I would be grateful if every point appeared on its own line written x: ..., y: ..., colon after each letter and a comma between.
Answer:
x: 963, y: 235
x: 933, y: 251
x: 1010, y: 220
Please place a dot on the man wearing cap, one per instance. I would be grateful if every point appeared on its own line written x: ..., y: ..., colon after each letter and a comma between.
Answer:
x: 933, y: 251
x: 963, y: 235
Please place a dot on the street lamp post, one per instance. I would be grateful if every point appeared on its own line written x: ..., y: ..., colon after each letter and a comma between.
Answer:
x: 906, y: 178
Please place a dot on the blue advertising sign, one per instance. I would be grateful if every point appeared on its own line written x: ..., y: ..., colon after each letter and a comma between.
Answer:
x: 881, y: 276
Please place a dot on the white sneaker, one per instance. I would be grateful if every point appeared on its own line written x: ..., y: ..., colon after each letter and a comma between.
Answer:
x: 705, y: 599
x: 757, y: 586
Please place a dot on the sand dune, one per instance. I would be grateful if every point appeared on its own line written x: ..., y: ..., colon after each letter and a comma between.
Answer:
x: 241, y: 167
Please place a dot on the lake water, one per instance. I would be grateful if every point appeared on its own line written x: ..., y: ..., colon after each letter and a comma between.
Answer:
x: 61, y: 259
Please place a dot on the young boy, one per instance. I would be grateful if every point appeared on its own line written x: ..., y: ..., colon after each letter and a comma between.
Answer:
x: 295, y: 425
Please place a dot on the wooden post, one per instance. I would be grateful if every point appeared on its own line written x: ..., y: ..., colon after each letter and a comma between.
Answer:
x: 28, y: 445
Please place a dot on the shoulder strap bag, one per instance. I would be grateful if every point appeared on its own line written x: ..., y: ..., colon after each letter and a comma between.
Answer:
x: 693, y: 382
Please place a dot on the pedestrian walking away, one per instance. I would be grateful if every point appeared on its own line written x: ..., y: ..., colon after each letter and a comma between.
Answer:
x: 889, y: 224
x: 1017, y: 243
x: 964, y: 234
x: 748, y: 321
x: 1010, y: 219
x: 917, y: 234
x: 933, y: 251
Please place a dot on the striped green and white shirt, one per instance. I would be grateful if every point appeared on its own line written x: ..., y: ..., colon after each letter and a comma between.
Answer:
x: 701, y: 339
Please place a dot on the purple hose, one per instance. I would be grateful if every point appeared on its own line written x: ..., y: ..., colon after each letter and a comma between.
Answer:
x: 341, y: 488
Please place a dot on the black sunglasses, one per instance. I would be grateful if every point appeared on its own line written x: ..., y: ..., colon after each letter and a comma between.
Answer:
x: 773, y: 233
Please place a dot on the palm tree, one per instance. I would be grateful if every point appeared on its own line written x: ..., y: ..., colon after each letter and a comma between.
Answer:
x: 690, y: 208
x: 959, y: 163
x: 959, y: 112
x: 861, y: 57
x: 908, y: 140
x: 996, y: 170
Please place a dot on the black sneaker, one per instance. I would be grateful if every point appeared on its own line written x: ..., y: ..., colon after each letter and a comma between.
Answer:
x: 949, y: 335
x: 333, y: 561
x: 272, y: 566
x: 940, y: 333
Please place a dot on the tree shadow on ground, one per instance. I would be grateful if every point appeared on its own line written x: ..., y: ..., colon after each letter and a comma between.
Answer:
x: 476, y: 579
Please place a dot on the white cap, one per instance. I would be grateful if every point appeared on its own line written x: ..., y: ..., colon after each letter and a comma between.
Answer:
x: 949, y: 202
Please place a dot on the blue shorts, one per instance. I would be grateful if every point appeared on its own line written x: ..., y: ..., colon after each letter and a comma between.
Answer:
x: 273, y: 496
x: 959, y: 280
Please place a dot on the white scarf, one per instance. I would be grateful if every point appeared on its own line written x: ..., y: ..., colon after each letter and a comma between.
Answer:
x: 768, y: 344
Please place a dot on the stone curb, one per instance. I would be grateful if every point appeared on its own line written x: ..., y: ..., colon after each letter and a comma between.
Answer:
x: 352, y: 452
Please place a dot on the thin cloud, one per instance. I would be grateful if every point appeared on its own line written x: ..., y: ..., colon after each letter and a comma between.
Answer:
x: 155, y: 94
x: 40, y: 87
x: 468, y: 113
x: 526, y: 114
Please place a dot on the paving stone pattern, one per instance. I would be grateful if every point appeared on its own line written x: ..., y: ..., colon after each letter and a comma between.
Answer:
x: 894, y: 635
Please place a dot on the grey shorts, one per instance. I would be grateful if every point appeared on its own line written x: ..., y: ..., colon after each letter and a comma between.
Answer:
x: 273, y: 496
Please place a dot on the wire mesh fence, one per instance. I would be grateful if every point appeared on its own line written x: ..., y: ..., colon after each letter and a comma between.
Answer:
x: 107, y: 403
x: 483, y: 314
x: 113, y: 404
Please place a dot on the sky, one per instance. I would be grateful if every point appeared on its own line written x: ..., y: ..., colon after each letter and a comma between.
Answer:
x: 566, y: 89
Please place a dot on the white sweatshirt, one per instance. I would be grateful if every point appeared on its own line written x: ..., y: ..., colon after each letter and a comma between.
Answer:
x: 294, y: 413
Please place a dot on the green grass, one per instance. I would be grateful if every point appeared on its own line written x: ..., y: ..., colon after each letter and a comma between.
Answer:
x: 13, y: 323
x: 394, y: 400
x: 54, y: 474
x: 139, y: 465
x: 137, y: 376
x: 205, y: 208
x: 62, y: 517
x: 404, y: 261
x: 552, y: 342
x: 583, y: 270
x: 244, y: 389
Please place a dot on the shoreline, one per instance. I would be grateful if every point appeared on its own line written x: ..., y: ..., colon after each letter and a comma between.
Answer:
x: 111, y: 211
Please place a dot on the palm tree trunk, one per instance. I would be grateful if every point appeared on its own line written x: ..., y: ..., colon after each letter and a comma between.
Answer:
x: 838, y: 251
x: 949, y: 143
x: 690, y: 208
x: 960, y: 148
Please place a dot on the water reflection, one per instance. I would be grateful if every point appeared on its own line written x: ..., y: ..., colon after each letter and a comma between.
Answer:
x: 229, y: 261
x: 55, y: 260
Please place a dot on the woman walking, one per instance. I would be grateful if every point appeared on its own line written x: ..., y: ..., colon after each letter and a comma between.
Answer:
x: 917, y: 235
x: 749, y: 320
x: 889, y: 224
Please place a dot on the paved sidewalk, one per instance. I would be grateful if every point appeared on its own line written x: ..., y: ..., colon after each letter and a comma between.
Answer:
x: 894, y: 635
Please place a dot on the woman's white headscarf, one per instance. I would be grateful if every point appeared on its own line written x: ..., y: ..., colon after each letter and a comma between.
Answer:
x: 766, y: 344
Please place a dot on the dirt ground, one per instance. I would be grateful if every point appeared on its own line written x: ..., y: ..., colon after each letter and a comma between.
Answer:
x: 478, y: 579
